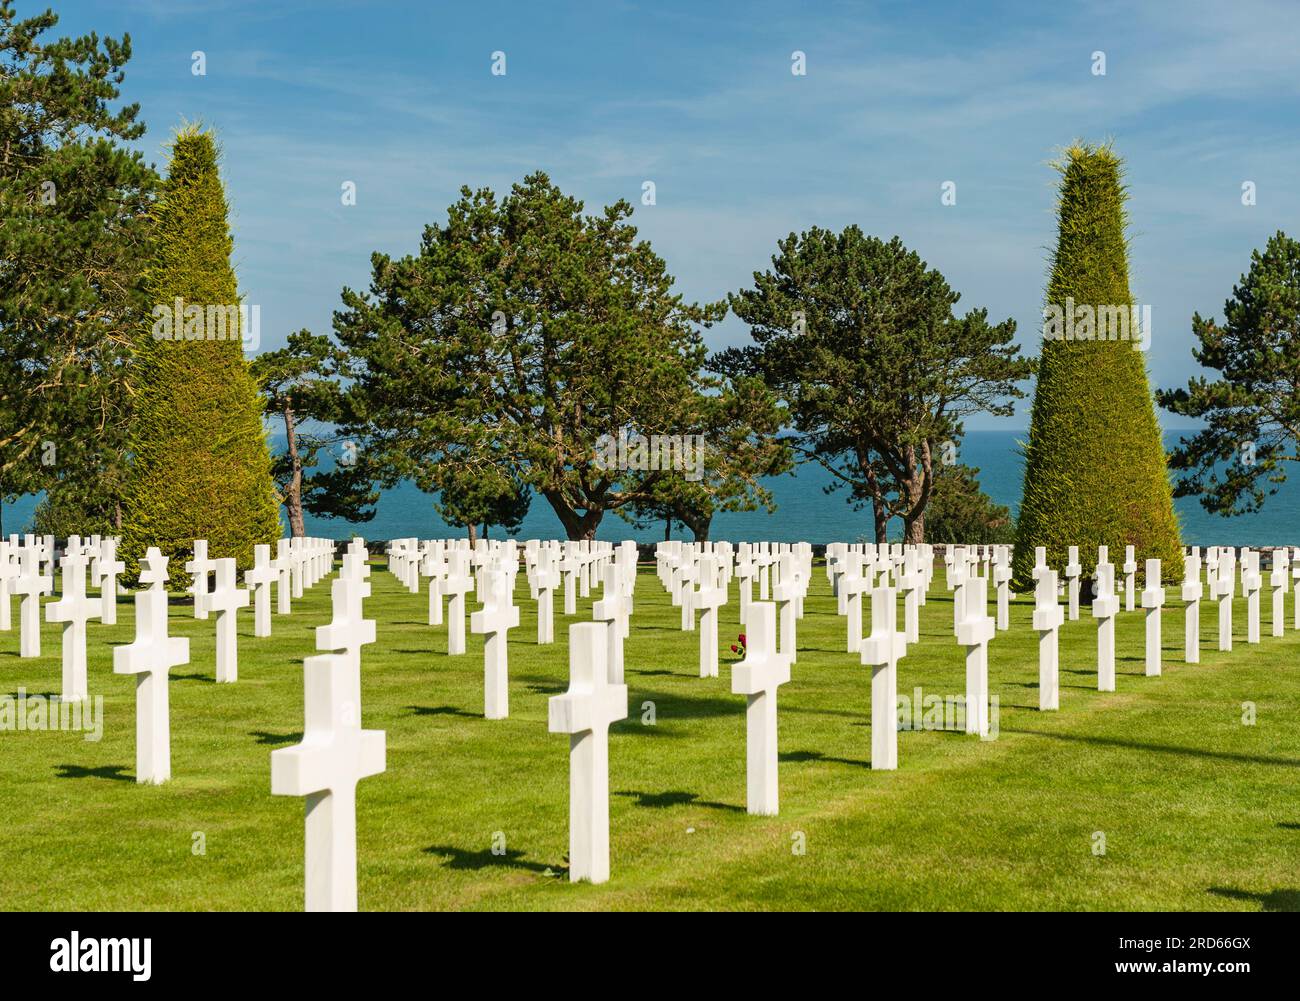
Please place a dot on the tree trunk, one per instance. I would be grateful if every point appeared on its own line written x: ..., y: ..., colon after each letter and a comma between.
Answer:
x: 880, y: 519
x: 485, y: 529
x: 918, y: 494
x: 293, y: 493
x: 577, y: 528
x: 117, y: 515
x: 668, y: 529
x: 699, y: 526
x: 472, y: 529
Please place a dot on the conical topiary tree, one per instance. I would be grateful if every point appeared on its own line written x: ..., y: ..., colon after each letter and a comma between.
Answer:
x: 201, y: 468
x: 1095, y: 471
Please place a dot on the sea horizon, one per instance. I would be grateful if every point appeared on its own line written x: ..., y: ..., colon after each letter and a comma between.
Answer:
x: 804, y: 511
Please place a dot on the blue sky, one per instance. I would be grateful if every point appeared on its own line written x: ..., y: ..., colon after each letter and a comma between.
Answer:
x: 898, y: 98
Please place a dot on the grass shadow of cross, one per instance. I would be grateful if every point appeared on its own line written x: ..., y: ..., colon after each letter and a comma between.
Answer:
x: 442, y: 711
x: 662, y: 800
x: 117, y: 773
x: 459, y: 858
x: 1275, y: 900
x: 797, y: 757
x: 263, y: 737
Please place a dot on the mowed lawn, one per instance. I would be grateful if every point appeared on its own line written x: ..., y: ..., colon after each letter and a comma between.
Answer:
x: 1197, y: 810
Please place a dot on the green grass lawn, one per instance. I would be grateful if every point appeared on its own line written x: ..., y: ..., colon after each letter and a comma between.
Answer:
x: 1198, y: 810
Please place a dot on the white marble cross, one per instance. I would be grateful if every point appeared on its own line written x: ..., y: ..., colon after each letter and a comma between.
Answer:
x: 548, y: 579
x: 974, y: 632
x: 108, y: 566
x: 570, y: 564
x: 686, y: 578
x: 757, y: 677
x: 612, y: 609
x: 496, y: 618
x: 348, y: 629
x: 882, y: 650
x: 334, y: 755
x: 8, y: 575
x: 31, y: 584
x: 260, y: 578
x: 585, y: 713
x: 74, y: 609
x: 1002, y: 578
x: 458, y: 584
x: 198, y: 568
x: 1048, y: 618
x: 1222, y: 591
x: 1130, y: 575
x: 1251, y: 583
x: 1278, y: 576
x: 746, y: 568
x: 225, y: 598
x: 297, y: 565
x: 1040, y: 562
x: 852, y: 586
x: 150, y: 658
x: 1295, y: 580
x: 912, y: 583
x: 1105, y: 606
x: 709, y: 599
x: 786, y: 593
x: 1073, y: 571
x: 283, y: 566
x: 433, y: 566
x: 958, y: 574
x: 1153, y: 599
x: 1192, y: 591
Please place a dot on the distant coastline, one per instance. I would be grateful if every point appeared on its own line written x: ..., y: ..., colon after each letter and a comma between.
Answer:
x: 805, y: 512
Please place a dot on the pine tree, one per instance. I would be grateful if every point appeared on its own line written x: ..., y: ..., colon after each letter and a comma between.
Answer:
x: 202, y: 469
x: 1095, y: 471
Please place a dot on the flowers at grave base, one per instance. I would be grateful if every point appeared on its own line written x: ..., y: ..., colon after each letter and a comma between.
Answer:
x: 739, y: 650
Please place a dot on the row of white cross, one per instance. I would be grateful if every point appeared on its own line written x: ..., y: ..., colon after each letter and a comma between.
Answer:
x: 336, y: 753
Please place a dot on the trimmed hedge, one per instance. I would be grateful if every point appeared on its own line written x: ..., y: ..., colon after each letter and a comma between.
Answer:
x: 1095, y: 470
x: 201, y: 466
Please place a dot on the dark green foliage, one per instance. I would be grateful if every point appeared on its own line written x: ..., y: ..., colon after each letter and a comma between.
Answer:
x: 68, y: 509
x: 522, y: 336
x: 73, y: 206
x: 202, y: 470
x: 739, y: 431
x: 300, y: 383
x: 485, y: 497
x: 858, y: 337
x: 1252, y: 413
x: 1095, y: 464
x: 963, y: 514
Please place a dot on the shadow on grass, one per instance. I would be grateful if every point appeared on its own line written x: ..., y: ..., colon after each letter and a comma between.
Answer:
x: 263, y: 737
x: 661, y: 800
x: 675, y: 707
x: 193, y: 677
x: 1196, y: 752
x: 442, y: 711
x: 459, y: 858
x: 1275, y: 900
x: 798, y: 757
x: 117, y: 773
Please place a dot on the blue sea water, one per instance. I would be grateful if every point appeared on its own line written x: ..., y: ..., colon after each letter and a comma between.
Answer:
x: 804, y: 511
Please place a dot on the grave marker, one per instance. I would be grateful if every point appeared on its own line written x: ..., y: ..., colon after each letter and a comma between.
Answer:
x: 150, y: 658
x: 585, y: 713
x: 758, y: 677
